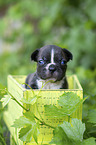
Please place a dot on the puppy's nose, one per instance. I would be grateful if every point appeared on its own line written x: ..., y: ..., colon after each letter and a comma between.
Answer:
x: 52, y: 67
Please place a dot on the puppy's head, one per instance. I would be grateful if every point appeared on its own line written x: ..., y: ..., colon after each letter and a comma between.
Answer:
x: 51, y: 62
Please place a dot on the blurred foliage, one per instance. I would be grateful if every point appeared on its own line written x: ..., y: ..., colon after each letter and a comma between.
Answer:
x: 66, y: 23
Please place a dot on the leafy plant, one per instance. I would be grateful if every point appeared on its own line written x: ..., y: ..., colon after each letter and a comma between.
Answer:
x: 29, y: 127
x: 68, y: 103
x: 29, y: 123
x: 69, y: 133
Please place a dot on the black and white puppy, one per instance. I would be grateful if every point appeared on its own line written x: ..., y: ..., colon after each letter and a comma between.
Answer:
x: 51, y: 65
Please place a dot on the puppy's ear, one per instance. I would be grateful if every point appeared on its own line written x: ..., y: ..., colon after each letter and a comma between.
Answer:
x: 34, y: 55
x: 68, y: 54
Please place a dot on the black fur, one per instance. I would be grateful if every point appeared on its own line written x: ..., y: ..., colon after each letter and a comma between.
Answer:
x: 31, y: 81
x: 44, y: 54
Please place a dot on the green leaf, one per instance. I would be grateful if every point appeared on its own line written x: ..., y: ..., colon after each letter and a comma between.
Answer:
x: 27, y: 119
x: 30, y: 100
x: 27, y: 132
x: 68, y: 98
x: 75, y: 130
x: 89, y: 141
x: 68, y: 104
x: 5, y: 100
x: 63, y: 137
x: 35, y: 132
x: 54, y: 112
x: 29, y: 115
x: 30, y: 127
x: 22, y: 121
x: 92, y: 116
x: 59, y: 137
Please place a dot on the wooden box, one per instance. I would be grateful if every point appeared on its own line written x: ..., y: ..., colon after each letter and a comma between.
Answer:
x: 48, y: 97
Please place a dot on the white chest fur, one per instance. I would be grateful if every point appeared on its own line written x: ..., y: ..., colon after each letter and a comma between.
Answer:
x: 47, y: 84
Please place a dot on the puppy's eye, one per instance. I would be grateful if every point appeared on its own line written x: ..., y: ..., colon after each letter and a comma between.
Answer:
x: 41, y: 62
x: 63, y: 62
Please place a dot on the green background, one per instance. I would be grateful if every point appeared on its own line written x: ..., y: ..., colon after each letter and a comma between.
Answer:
x: 26, y: 25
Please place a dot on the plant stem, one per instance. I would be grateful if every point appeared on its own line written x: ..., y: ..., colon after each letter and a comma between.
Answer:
x: 42, y: 122
x: 17, y: 101
x: 20, y: 104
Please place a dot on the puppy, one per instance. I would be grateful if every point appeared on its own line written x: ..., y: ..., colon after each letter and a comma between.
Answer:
x: 51, y: 68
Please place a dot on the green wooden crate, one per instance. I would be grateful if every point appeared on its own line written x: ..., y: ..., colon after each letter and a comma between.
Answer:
x: 48, y: 97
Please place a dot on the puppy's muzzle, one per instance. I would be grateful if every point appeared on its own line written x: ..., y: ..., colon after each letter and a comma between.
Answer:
x: 52, y: 68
